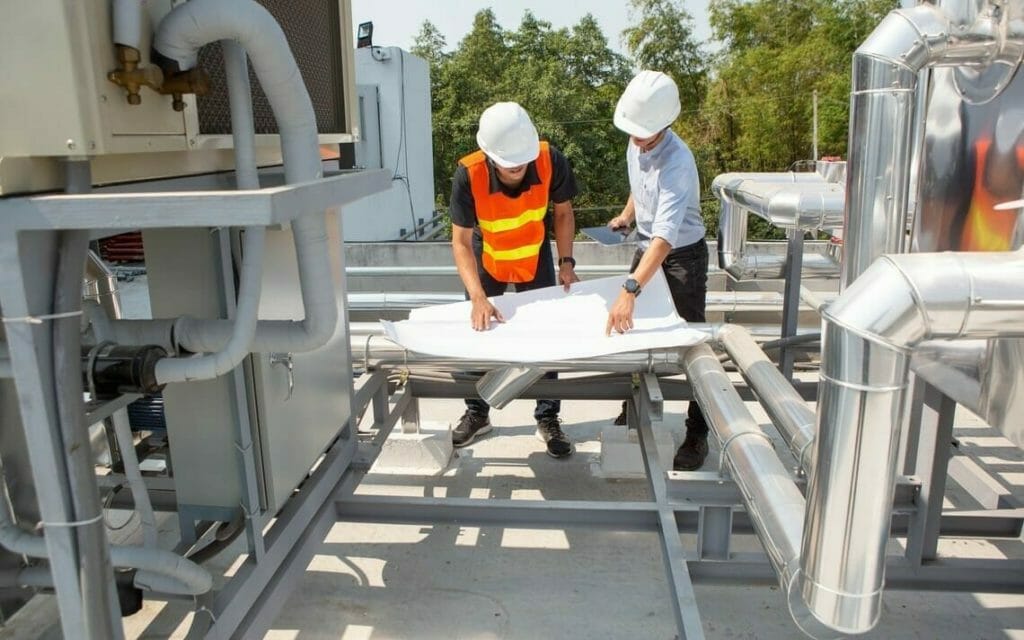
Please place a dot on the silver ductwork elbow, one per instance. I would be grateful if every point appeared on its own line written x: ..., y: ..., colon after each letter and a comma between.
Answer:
x: 780, y: 199
x: 870, y: 334
x: 884, y: 100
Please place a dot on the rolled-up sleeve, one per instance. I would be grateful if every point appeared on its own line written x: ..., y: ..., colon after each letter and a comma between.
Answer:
x: 675, y: 183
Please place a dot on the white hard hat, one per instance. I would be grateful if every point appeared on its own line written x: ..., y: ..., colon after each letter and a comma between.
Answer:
x: 507, y: 135
x: 649, y: 104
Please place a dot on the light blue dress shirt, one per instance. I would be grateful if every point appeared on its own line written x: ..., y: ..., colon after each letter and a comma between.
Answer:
x: 666, y: 192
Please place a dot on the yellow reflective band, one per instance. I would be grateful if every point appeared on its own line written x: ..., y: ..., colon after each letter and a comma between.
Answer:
x: 512, y: 254
x: 507, y: 224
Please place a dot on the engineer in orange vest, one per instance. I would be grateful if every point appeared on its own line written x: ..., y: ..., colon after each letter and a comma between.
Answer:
x: 501, y: 210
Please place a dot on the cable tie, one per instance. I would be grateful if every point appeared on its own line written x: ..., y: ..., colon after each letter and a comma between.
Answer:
x: 42, y: 318
x: 75, y: 523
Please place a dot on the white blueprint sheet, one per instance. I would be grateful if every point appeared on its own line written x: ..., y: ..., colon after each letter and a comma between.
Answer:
x: 548, y: 324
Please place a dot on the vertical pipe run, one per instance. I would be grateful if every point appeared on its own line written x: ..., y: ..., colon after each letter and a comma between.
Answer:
x: 871, y: 331
x: 99, y: 600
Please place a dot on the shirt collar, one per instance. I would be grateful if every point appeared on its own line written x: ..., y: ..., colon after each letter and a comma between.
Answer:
x: 530, y: 178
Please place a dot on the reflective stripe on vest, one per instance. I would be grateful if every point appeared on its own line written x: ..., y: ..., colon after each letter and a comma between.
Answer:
x: 512, y: 228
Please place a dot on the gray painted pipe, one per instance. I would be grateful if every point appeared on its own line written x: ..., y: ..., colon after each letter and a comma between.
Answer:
x: 180, y: 36
x: 173, y: 573
x: 250, y: 289
x: 870, y: 333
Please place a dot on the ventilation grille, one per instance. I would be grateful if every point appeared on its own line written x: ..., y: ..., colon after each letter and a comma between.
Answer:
x: 314, y: 34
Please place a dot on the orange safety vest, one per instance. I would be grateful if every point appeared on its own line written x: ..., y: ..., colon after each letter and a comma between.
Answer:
x: 512, y: 228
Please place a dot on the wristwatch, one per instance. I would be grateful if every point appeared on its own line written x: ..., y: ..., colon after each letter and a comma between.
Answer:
x: 571, y: 260
x: 632, y: 286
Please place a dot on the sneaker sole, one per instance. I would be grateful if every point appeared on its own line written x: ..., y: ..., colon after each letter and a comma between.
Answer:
x: 572, y: 449
x: 473, y: 437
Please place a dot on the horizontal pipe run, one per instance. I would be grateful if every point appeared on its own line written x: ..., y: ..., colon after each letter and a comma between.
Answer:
x: 772, y: 499
x: 789, y: 413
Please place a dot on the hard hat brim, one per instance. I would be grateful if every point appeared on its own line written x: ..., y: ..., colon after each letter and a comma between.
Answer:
x: 527, y: 156
x: 632, y: 128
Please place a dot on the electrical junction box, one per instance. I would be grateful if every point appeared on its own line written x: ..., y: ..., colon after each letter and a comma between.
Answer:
x: 56, y: 101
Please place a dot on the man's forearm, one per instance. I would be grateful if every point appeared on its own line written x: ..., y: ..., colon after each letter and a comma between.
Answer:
x: 465, y: 264
x: 651, y: 261
x: 565, y: 228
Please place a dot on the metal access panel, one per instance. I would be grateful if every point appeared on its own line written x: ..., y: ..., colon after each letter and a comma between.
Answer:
x: 290, y: 428
x: 298, y: 419
x: 186, y: 276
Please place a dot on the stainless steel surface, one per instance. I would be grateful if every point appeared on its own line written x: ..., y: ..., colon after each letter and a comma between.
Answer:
x: 1002, y: 390
x: 885, y: 98
x: 772, y: 499
x: 808, y: 205
x: 956, y: 368
x: 870, y: 332
x: 733, y: 256
x: 501, y: 386
x: 787, y: 410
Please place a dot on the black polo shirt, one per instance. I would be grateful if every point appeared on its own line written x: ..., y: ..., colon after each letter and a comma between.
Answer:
x: 463, y: 208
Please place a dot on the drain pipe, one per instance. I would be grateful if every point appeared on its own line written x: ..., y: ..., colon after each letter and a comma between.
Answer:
x: 787, y: 410
x: 884, y: 99
x: 250, y: 288
x: 732, y: 230
x: 870, y: 333
x: 179, y: 37
x: 158, y: 569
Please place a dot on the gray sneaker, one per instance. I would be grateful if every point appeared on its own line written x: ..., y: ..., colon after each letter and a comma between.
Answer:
x: 469, y: 428
x: 549, y: 431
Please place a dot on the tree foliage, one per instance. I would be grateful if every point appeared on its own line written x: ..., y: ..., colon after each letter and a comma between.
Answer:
x: 747, y: 97
x: 567, y: 79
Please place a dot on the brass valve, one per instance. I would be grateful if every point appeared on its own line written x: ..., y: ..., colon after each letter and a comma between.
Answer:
x: 131, y: 76
x: 176, y: 84
x: 169, y: 82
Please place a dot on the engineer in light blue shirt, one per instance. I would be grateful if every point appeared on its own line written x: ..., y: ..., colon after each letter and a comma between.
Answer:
x: 664, y: 202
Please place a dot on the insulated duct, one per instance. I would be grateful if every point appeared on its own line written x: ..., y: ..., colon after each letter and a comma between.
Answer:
x: 253, y: 240
x: 785, y: 407
x: 767, y: 195
x: 180, y: 36
x: 870, y: 334
x: 884, y: 100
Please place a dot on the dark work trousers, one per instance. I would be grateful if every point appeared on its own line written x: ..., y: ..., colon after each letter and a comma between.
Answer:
x: 686, y: 269
x: 544, y: 277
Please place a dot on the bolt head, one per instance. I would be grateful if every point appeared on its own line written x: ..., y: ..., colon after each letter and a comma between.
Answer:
x: 134, y: 98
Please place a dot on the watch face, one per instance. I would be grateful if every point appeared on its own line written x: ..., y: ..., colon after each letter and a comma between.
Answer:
x: 631, y: 286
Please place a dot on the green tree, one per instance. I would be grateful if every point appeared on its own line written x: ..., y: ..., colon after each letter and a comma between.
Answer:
x: 567, y: 79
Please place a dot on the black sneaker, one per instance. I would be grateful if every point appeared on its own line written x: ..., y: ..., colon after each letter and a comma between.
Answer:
x: 549, y: 431
x: 620, y: 420
x: 470, y: 426
x: 691, y: 453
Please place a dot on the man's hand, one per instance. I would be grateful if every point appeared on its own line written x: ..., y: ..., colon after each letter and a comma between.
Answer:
x: 620, y: 318
x: 482, y: 313
x: 567, y: 275
x: 619, y: 222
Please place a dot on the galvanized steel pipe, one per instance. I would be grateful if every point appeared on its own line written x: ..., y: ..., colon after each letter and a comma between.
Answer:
x: 870, y: 333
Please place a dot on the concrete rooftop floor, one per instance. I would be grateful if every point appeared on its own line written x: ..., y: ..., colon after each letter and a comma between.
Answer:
x: 445, y: 581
